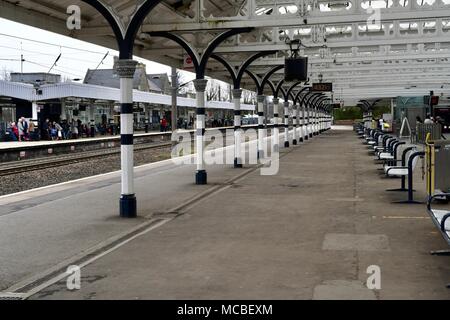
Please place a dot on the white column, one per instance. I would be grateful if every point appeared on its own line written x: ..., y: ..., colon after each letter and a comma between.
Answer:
x: 261, y: 130
x: 91, y: 114
x: 128, y: 203
x: 237, y: 95
x: 276, y: 128
x: 201, y: 177
x: 295, y: 124
x: 306, y: 111
x: 34, y: 107
x: 302, y: 123
x: 316, y: 119
x: 63, y: 114
x: 286, y: 124
x: 319, y: 121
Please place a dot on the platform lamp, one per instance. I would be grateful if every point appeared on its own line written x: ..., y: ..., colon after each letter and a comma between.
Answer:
x: 296, y: 66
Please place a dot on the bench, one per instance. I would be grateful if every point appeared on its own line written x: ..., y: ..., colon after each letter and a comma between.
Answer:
x: 441, y: 219
x: 407, y: 171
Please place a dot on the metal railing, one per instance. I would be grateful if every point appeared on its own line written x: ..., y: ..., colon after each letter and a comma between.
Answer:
x: 422, y: 130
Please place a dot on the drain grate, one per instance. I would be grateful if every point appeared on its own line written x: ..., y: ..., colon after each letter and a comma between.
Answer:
x: 9, y: 296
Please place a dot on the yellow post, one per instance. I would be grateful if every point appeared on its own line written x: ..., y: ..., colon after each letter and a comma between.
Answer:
x: 431, y: 162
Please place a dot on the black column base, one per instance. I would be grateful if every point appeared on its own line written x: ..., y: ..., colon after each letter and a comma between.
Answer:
x: 295, y: 142
x: 238, y: 163
x: 301, y: 140
x: 201, y: 177
x: 286, y: 144
x: 128, y: 206
x: 261, y: 154
x: 310, y: 135
x: 306, y: 138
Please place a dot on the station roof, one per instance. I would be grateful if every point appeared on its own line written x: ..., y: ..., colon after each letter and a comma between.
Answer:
x: 368, y: 49
x: 86, y: 91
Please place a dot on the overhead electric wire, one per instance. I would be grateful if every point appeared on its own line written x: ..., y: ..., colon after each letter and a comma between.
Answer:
x: 50, y: 44
x: 48, y: 54
x: 46, y: 67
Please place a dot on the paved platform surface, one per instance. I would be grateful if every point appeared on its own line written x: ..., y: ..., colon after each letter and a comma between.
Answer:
x: 310, y: 232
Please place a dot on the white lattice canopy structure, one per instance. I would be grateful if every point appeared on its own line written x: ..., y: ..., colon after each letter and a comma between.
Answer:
x: 368, y: 49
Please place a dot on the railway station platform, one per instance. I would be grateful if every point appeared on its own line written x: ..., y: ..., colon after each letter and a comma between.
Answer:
x: 309, y: 232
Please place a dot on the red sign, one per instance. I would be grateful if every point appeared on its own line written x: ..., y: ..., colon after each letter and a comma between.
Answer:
x: 188, y: 63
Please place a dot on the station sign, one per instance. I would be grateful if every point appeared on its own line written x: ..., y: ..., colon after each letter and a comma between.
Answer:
x: 188, y: 63
x: 431, y: 100
x: 322, y: 87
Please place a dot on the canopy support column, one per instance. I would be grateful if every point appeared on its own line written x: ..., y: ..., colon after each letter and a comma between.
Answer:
x: 201, y: 176
x: 237, y: 95
x: 126, y: 69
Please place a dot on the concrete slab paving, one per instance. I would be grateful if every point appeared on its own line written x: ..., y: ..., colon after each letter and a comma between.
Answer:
x: 262, y: 237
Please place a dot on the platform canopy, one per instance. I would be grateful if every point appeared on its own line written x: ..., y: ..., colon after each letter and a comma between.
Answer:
x: 368, y: 49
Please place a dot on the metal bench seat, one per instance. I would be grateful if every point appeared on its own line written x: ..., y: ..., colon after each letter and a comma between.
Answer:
x: 441, y: 218
x: 396, y: 171
x: 386, y: 156
x: 412, y: 158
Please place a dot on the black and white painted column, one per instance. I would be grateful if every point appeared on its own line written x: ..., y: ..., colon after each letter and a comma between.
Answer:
x: 261, y: 129
x: 286, y: 125
x: 310, y: 122
x: 316, y: 122
x: 201, y: 177
x: 237, y: 95
x: 321, y: 121
x: 295, y: 123
x: 301, y: 119
x: 276, y: 127
x: 306, y: 115
x: 126, y: 70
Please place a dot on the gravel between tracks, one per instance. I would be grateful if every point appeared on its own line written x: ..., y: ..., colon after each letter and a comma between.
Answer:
x: 41, y: 178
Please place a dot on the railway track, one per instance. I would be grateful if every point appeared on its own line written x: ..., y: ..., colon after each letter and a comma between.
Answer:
x: 58, y: 161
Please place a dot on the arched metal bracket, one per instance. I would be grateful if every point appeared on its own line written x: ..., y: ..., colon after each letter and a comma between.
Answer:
x: 237, y: 73
x: 200, y: 61
x: 125, y: 38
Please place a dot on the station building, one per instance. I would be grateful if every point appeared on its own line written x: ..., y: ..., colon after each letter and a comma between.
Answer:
x: 41, y: 96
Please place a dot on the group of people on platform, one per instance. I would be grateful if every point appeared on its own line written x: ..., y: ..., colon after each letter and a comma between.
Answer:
x: 430, y: 120
x: 26, y: 130
x: 23, y: 130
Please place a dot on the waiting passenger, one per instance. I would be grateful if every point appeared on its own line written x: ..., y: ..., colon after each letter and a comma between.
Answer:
x: 428, y: 120
x: 21, y: 128
x: 32, y: 131
x: 419, y: 119
x: 164, y: 124
x: 14, y: 132
x: 46, y: 130
x: 53, y: 132
x: 59, y: 130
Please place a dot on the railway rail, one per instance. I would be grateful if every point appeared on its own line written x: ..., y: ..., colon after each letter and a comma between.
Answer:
x: 58, y: 161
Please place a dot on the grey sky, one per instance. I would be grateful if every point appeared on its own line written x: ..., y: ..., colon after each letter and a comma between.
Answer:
x: 39, y: 57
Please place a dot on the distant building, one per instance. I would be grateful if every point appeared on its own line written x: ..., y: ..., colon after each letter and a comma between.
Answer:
x: 159, y: 83
x: 156, y: 83
x: 109, y: 78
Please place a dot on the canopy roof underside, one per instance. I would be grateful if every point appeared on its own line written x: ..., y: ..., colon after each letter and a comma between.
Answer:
x: 368, y: 49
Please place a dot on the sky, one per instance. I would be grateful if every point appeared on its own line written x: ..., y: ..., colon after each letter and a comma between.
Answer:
x: 76, y: 56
